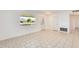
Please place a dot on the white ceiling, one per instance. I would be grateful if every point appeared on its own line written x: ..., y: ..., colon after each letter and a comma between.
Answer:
x: 39, y: 11
x: 51, y: 11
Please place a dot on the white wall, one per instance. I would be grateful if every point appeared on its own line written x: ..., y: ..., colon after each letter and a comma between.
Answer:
x: 10, y: 27
x: 57, y: 20
x: 1, y: 20
x: 63, y: 19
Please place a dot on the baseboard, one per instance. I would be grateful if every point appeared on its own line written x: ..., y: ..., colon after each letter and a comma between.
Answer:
x: 17, y: 35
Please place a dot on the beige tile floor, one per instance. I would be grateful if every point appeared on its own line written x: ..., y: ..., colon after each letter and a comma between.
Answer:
x: 43, y: 39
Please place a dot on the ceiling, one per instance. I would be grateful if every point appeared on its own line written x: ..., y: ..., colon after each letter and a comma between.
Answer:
x: 42, y: 11
x: 52, y: 11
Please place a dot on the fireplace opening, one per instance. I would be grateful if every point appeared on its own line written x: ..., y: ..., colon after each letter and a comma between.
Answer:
x: 63, y: 29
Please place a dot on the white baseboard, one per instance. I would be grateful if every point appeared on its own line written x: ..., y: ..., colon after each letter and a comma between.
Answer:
x: 17, y: 35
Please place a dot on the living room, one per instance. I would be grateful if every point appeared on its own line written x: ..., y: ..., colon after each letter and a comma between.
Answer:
x: 49, y: 22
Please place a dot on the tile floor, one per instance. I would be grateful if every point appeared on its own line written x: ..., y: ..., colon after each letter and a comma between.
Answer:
x: 43, y: 39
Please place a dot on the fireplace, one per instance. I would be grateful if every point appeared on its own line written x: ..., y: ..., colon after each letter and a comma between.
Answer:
x: 63, y: 29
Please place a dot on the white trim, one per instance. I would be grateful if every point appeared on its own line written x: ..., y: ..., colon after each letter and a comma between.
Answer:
x: 17, y: 35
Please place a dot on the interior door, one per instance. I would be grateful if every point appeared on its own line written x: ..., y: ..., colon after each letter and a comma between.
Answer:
x: 72, y: 23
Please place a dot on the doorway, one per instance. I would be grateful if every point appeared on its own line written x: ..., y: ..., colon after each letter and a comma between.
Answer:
x: 48, y: 21
x: 74, y: 22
